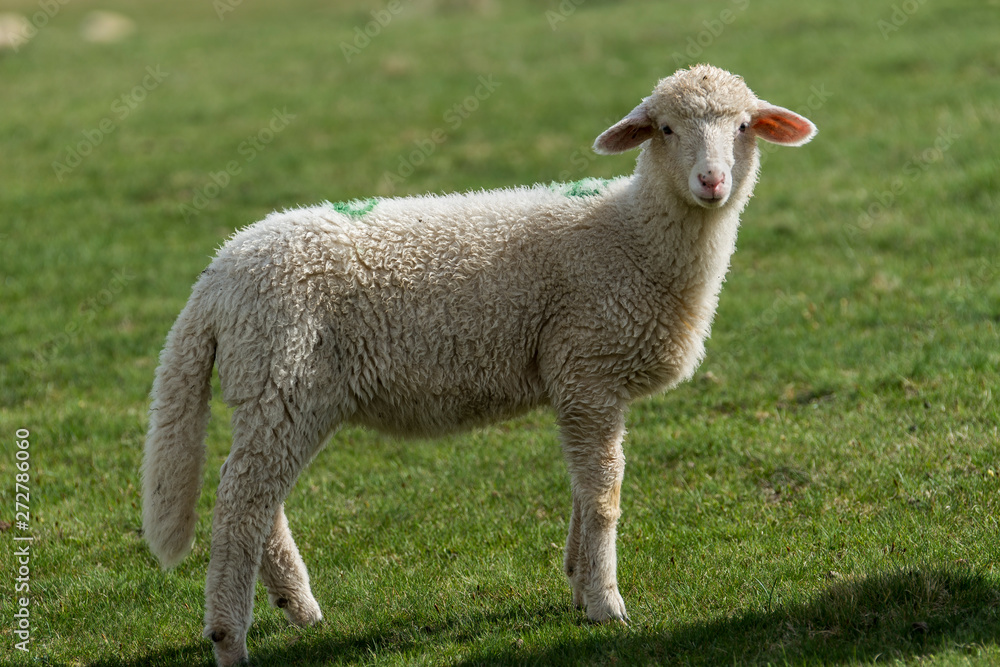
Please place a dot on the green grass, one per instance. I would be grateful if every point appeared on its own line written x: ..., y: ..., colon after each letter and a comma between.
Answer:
x: 825, y: 491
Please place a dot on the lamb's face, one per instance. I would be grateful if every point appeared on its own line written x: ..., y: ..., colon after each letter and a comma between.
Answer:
x: 704, y: 159
x: 700, y: 127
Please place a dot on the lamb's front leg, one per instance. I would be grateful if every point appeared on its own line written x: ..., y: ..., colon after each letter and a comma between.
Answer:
x: 592, y: 444
x: 573, y: 555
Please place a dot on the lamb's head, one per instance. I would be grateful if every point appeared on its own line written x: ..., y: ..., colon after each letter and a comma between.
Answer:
x: 701, y: 126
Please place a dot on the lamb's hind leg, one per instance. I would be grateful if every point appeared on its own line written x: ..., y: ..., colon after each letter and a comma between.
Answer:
x: 268, y: 454
x: 592, y: 447
x: 285, y: 576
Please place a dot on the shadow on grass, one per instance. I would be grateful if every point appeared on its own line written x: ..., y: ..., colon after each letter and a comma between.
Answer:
x: 897, y: 615
x: 902, y: 614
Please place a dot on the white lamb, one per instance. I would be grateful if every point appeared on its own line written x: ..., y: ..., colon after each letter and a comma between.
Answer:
x: 423, y: 315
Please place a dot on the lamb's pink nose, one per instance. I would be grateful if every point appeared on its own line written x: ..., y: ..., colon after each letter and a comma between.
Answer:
x: 713, y: 183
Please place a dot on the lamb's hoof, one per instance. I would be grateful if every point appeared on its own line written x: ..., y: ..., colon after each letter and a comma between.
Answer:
x: 300, y: 611
x: 609, y: 607
x: 229, y: 649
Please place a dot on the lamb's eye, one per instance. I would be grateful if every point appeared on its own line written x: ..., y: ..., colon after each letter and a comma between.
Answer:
x: 666, y: 129
x: 744, y: 126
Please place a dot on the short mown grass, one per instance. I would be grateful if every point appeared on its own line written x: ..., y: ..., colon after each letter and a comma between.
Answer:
x: 825, y: 490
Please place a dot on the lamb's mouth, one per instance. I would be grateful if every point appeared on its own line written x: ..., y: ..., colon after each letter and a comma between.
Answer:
x: 710, y: 202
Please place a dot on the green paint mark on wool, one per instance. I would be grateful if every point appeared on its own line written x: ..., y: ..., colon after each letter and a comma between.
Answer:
x: 587, y: 187
x: 356, y: 208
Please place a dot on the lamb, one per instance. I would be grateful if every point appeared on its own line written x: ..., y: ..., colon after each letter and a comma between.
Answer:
x: 423, y: 315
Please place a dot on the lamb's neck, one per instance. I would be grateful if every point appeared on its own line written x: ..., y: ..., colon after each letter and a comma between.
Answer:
x: 687, y: 249
x: 684, y: 236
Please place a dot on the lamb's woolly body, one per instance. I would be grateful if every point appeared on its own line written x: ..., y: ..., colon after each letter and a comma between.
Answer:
x: 434, y: 313
x: 422, y: 315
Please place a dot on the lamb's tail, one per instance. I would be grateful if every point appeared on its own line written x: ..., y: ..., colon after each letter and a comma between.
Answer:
x: 175, y: 443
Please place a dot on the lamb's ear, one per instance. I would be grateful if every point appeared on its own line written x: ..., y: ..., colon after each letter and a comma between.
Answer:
x: 781, y: 126
x: 627, y: 133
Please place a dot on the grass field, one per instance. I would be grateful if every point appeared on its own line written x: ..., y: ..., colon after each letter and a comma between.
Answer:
x: 826, y: 490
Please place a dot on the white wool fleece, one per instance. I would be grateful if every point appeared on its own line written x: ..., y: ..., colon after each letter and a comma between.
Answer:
x: 428, y: 314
